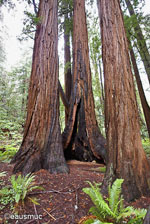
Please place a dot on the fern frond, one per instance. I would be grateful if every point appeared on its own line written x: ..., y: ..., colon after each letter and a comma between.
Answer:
x: 131, y: 212
x: 114, y: 195
x: 139, y: 215
x: 98, y: 201
x: 96, y: 212
x: 3, y: 174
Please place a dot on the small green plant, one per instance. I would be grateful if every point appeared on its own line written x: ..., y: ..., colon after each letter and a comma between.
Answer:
x: 6, y: 197
x: 18, y: 190
x: 22, y: 186
x: 8, y: 154
x: 112, y: 209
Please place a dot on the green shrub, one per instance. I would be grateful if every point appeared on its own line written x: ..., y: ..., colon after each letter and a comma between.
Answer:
x: 112, y: 209
x: 2, y: 174
x: 8, y: 154
x: 18, y: 190
x: 22, y: 186
x: 6, y: 197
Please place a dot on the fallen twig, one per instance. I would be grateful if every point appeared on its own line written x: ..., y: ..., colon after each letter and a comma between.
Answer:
x: 51, y: 191
x: 49, y: 214
x: 36, y: 213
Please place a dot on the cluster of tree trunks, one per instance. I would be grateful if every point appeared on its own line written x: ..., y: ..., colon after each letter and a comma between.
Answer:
x: 81, y: 137
x: 126, y: 157
x: 42, y: 145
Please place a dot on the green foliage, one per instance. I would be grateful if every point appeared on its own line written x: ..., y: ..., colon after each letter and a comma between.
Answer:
x: 99, y: 169
x: 13, y: 95
x: 62, y: 116
x: 22, y: 186
x: 2, y: 174
x: 6, y: 197
x: 146, y: 146
x: 30, y: 23
x: 8, y: 154
x: 96, y: 64
x: 112, y: 209
x: 18, y: 190
x: 102, y: 169
x: 65, y: 19
x: 13, y: 99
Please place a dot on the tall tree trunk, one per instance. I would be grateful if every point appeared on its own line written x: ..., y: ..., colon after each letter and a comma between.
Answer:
x: 126, y: 157
x: 42, y: 143
x: 141, y: 43
x: 145, y: 106
x: 67, y: 60
x: 82, y: 133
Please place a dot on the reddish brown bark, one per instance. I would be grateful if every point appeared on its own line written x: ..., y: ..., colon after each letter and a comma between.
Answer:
x: 82, y: 133
x: 126, y: 157
x: 145, y: 106
x: 67, y: 61
x: 42, y: 143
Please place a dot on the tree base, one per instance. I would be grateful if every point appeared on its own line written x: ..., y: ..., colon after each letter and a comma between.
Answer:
x: 35, y: 162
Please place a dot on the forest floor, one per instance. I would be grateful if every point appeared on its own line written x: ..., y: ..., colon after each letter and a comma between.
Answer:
x: 62, y: 201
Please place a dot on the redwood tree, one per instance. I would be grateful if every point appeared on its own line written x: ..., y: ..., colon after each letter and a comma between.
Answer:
x: 67, y: 60
x: 82, y: 135
x: 141, y: 43
x: 42, y: 143
x: 144, y: 103
x: 126, y: 157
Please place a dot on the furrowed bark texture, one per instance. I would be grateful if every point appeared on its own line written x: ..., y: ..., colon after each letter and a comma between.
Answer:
x: 126, y: 157
x: 42, y: 143
x: 67, y: 60
x: 82, y: 133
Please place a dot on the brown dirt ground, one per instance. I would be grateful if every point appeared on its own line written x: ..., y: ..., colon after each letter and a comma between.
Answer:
x: 62, y: 201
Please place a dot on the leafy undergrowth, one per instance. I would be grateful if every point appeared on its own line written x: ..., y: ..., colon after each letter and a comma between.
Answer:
x: 111, y: 210
x: 146, y: 146
x: 62, y: 200
x: 10, y: 140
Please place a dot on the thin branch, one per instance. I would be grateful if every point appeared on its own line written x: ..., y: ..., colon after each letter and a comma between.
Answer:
x: 35, y: 8
x: 63, y: 97
x: 36, y: 213
x: 49, y: 214
x: 52, y: 191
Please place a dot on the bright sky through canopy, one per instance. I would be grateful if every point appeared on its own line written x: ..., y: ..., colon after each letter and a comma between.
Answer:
x: 12, y: 27
x: 13, y: 20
